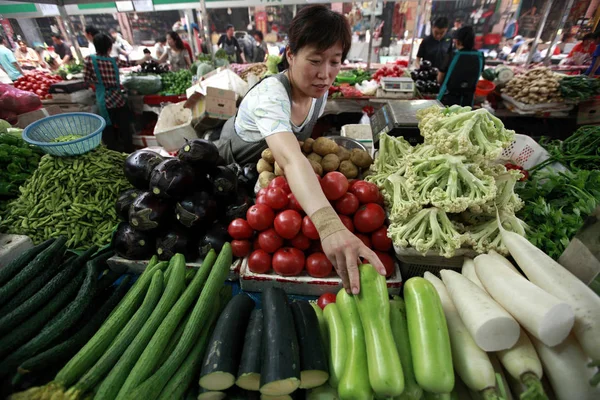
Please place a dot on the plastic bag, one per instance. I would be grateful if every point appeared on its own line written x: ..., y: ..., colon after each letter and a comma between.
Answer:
x: 367, y: 88
x: 18, y: 101
x: 143, y: 84
x: 174, y: 126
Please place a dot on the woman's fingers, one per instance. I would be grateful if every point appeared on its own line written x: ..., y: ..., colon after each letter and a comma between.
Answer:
x: 340, y: 267
x: 368, y: 254
x: 352, y: 268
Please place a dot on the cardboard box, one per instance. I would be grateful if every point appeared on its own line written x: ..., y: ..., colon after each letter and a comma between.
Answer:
x: 32, y: 116
x: 213, y: 103
x: 589, y: 112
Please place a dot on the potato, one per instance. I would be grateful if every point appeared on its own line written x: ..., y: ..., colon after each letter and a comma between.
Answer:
x: 267, y: 155
x: 361, y: 158
x: 278, y: 170
x: 330, y: 162
x: 262, y: 165
x: 343, y: 153
x: 323, y: 146
x: 300, y: 143
x: 265, y: 178
x: 349, y: 170
x: 307, y: 145
x: 316, y: 167
x: 315, y: 157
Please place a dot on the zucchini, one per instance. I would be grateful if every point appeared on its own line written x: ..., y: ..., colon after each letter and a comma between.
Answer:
x: 322, y: 325
x: 429, y: 338
x: 206, y: 394
x: 337, y: 344
x: 324, y: 392
x: 16, y: 265
x: 92, y: 377
x: 93, y: 350
x: 45, y: 259
x: 221, y: 361
x: 280, y: 364
x: 200, y: 314
x: 65, y: 319
x: 354, y: 382
x: 116, y: 383
x: 56, y: 284
x: 385, y: 371
x: 66, y: 349
x: 313, y: 363
x: 249, y: 371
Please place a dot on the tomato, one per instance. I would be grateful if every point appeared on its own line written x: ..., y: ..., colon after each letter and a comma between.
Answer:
x: 280, y: 182
x: 380, y: 200
x: 240, y: 229
x: 366, y: 192
x: 260, y: 217
x: 240, y: 248
x: 347, y: 204
x: 288, y: 261
x: 308, y: 229
x: 288, y: 223
x: 269, y: 240
x: 347, y: 221
x: 369, y: 217
x: 387, y: 261
x: 325, y: 299
x: 380, y: 239
x: 276, y: 198
x: 318, y: 177
x: 261, y: 200
x: 255, y: 244
x: 39, y: 92
x: 318, y: 266
x: 334, y: 185
x: 365, y: 239
x: 293, y: 203
x: 259, y: 262
x: 300, y: 242
x: 261, y: 192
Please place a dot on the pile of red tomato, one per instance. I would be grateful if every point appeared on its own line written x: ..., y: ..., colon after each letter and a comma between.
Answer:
x: 37, y: 82
x: 395, y: 71
x: 278, y: 235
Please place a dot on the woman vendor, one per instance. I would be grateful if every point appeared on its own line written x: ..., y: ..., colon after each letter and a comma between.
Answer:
x: 283, y: 109
x: 176, y: 54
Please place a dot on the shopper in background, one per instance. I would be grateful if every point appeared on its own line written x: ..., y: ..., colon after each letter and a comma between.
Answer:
x: 27, y: 57
x: 260, y: 51
x: 8, y: 62
x: 594, y: 69
x: 90, y: 32
x: 62, y: 49
x: 582, y: 52
x: 121, y: 46
x: 188, y: 48
x: 435, y: 47
x: 518, y: 42
x: 177, y: 55
x: 231, y: 46
x: 160, y: 46
x: 457, y: 25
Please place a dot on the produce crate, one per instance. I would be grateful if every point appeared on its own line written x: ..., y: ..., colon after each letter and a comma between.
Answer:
x: 304, y: 285
x: 527, y: 153
x: 11, y: 246
x: 537, y: 107
x: 413, y: 263
x: 123, y: 265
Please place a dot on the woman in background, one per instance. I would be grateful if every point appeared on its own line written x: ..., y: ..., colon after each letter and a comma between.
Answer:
x: 27, y: 57
x: 176, y: 54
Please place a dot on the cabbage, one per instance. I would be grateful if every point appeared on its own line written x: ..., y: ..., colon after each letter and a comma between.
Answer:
x: 4, y: 126
x: 203, y: 69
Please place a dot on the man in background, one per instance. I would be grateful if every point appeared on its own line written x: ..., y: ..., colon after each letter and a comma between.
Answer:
x: 231, y: 46
x: 120, y: 46
x: 62, y: 49
x: 435, y: 47
x: 457, y: 25
x: 8, y: 62
x: 90, y: 32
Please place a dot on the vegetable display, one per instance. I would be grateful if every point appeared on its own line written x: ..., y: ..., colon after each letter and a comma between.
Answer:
x: 18, y: 161
x: 37, y: 82
x: 581, y: 150
x: 425, y: 78
x: 579, y: 87
x: 175, y: 83
x: 536, y: 86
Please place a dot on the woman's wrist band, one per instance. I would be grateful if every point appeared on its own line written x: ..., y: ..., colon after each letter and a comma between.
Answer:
x: 327, y: 222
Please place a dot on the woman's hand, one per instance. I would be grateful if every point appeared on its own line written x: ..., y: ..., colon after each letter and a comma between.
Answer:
x: 344, y: 249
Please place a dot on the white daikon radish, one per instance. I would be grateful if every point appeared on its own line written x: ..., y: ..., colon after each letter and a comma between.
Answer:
x: 489, y: 324
x: 503, y: 260
x: 468, y: 271
x: 471, y: 363
x: 566, y: 368
x: 543, y: 315
x: 552, y: 277
x: 505, y: 389
x: 523, y: 364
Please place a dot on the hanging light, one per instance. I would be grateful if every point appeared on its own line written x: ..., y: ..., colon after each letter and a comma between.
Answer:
x: 229, y: 11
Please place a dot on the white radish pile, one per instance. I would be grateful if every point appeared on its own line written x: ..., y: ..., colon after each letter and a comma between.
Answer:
x: 503, y: 260
x: 543, y: 315
x: 522, y: 362
x: 491, y: 327
x: 468, y: 271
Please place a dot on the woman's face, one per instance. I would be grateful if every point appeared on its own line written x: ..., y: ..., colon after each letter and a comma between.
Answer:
x: 22, y: 46
x: 312, y: 71
x: 170, y: 41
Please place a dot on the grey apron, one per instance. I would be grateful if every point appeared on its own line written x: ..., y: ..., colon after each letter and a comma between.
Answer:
x: 235, y: 149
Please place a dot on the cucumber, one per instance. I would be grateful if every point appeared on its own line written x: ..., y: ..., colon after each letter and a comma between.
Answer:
x: 385, y: 371
x: 107, y: 279
x: 9, y: 271
x: 412, y: 390
x: 313, y: 363
x: 280, y: 364
x: 175, y: 339
x: 322, y: 325
x: 354, y: 382
x: 337, y: 344
x: 249, y: 371
x: 428, y: 335
x: 221, y: 361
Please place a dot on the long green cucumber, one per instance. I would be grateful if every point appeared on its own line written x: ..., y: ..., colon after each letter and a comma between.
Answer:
x: 412, y: 390
x: 322, y: 325
x: 385, y: 370
x: 338, y: 344
x: 7, y: 272
x: 354, y: 383
x: 174, y: 339
x: 152, y: 387
x: 117, y: 382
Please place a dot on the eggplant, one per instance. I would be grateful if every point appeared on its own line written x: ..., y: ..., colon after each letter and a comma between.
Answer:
x: 172, y: 178
x: 215, y: 238
x: 433, y: 73
x: 124, y: 202
x: 177, y: 240
x: 414, y: 75
x: 239, y: 208
x: 251, y: 173
x: 197, y: 210
x: 425, y: 65
x: 424, y: 75
x: 138, y: 167
x: 199, y: 153
x: 133, y: 244
x: 421, y: 85
x: 148, y: 212
x: 224, y: 181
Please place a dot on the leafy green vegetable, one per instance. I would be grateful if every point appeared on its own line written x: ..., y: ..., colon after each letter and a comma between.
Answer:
x: 580, y: 151
x: 579, y: 87
x: 4, y: 126
x: 175, y: 83
x: 18, y: 160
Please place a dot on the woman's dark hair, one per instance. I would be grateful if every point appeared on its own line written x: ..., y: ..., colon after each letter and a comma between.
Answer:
x: 161, y: 39
x: 102, y: 43
x: 178, y: 42
x: 588, y: 36
x: 466, y: 36
x: 21, y: 41
x: 318, y: 26
x: 441, y: 23
x: 259, y: 34
x: 91, y: 30
x: 57, y: 36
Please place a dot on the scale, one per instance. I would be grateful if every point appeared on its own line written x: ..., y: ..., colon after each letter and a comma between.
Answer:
x: 403, y: 84
x: 399, y: 118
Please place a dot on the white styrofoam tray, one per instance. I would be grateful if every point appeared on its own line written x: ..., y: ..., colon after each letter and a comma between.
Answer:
x: 11, y: 247
x: 537, y: 107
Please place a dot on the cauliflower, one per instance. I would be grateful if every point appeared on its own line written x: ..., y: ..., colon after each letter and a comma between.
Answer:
x: 399, y: 197
x: 428, y: 229
x: 506, y: 199
x: 486, y: 236
x: 393, y: 154
x: 447, y: 183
